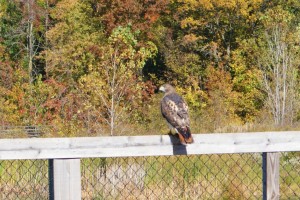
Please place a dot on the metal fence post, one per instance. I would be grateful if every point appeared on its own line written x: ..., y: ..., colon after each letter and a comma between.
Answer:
x: 51, y: 179
x: 270, y: 176
x: 64, y: 179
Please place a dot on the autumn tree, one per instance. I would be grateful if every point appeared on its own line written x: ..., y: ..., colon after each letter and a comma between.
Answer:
x: 114, y: 83
x: 24, y: 33
x: 278, y: 61
x: 91, y: 65
x: 74, y: 32
x: 142, y: 15
x: 10, y: 18
x: 200, y: 33
x: 11, y: 71
x: 9, y: 108
x: 22, y: 38
x: 246, y: 81
x: 198, y: 36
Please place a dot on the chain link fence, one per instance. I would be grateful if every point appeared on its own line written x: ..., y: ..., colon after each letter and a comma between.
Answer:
x: 222, y: 176
x: 24, y: 179
x: 174, y: 177
x: 25, y: 131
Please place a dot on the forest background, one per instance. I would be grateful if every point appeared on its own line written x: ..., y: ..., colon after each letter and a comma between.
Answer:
x: 93, y: 67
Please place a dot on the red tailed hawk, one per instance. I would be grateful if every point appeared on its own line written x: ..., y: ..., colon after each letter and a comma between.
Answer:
x: 175, y: 111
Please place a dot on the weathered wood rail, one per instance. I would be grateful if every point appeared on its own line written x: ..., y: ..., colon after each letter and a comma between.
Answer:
x: 64, y: 153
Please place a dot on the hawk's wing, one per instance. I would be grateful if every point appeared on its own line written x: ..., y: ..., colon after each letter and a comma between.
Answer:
x: 175, y: 110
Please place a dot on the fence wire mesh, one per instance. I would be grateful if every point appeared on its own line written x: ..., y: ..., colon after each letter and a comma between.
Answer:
x: 24, y: 179
x: 289, y: 175
x: 227, y: 176
x: 223, y: 176
x: 25, y: 131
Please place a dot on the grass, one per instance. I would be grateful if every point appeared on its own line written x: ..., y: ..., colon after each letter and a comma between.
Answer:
x: 224, y: 176
x: 228, y: 176
x: 24, y: 179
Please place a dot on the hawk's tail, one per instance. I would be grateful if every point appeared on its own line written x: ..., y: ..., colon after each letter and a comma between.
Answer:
x: 185, y: 135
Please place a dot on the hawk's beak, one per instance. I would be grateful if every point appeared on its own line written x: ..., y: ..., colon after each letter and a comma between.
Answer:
x: 161, y: 88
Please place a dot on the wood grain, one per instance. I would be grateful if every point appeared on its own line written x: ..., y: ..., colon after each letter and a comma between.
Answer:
x: 67, y: 179
x: 271, y: 167
x: 152, y: 145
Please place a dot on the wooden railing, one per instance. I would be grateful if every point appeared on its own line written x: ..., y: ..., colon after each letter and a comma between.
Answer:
x: 64, y: 153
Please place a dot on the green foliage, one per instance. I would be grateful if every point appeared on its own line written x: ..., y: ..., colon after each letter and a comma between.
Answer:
x: 247, y: 81
x: 10, y: 18
x: 70, y: 40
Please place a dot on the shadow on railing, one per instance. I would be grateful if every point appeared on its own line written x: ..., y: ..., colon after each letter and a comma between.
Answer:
x: 178, y: 148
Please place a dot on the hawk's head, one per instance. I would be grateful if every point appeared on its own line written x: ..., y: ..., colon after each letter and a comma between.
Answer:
x: 167, y: 88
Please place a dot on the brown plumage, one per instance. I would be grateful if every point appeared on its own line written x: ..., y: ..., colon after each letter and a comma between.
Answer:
x: 175, y: 111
